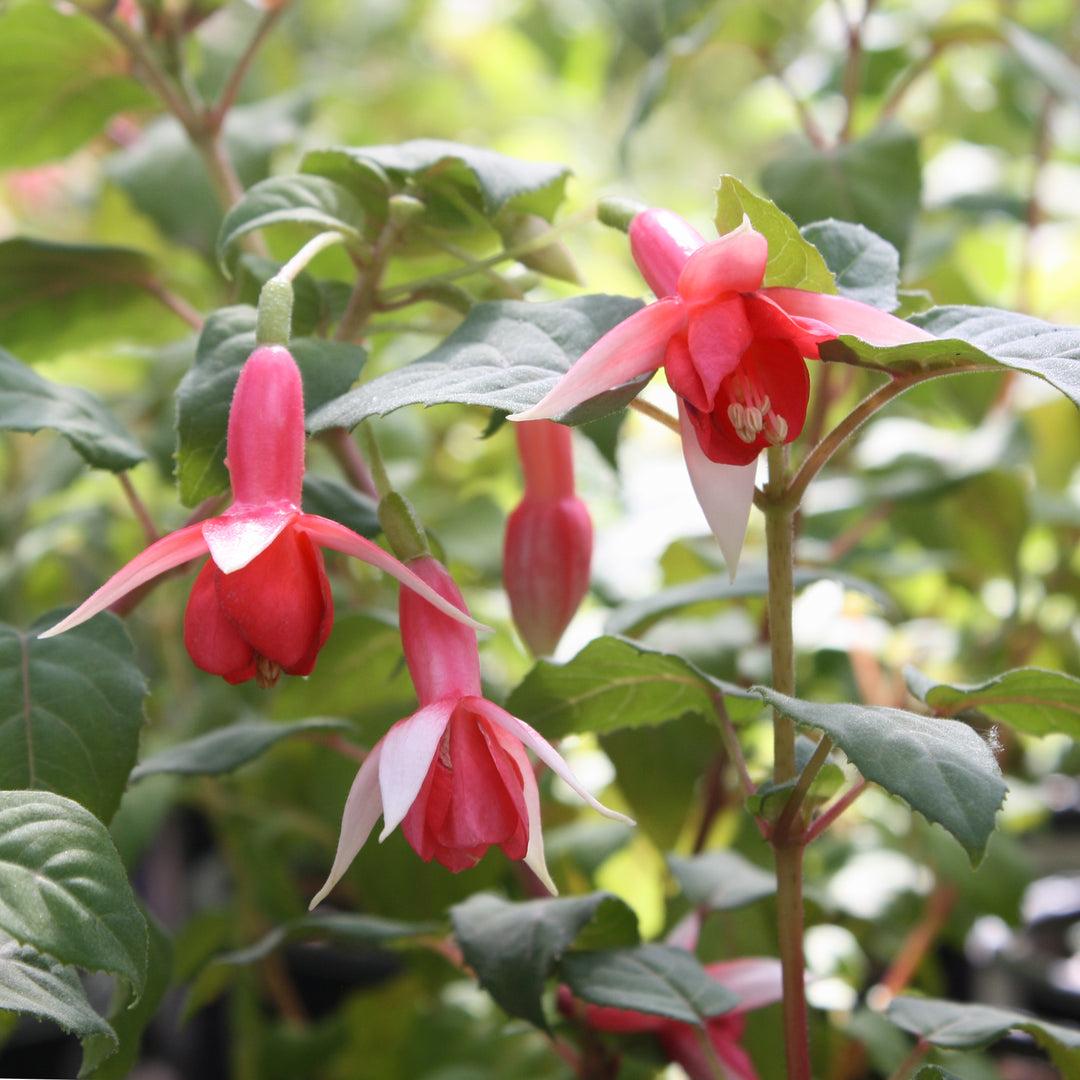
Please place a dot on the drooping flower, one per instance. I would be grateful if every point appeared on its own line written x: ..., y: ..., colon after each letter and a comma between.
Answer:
x: 261, y: 603
x: 733, y: 352
x: 454, y: 774
x: 757, y: 981
x: 548, y: 546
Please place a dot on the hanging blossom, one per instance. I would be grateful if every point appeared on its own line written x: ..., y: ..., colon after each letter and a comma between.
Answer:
x: 548, y: 546
x: 454, y: 774
x: 733, y: 352
x: 261, y: 603
x: 757, y: 981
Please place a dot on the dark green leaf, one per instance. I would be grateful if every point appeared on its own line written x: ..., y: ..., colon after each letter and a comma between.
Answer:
x: 941, y: 768
x: 506, y: 355
x: 328, y: 368
x: 721, y: 880
x: 61, y: 78
x: 963, y: 1026
x: 654, y: 979
x: 793, y: 260
x: 875, y: 181
x: 29, y: 402
x: 227, y: 748
x: 102, y: 1058
x: 59, y: 297
x: 613, y: 684
x: 935, y: 1072
x: 866, y: 267
x: 304, y: 200
x: 40, y: 987
x: 63, y: 889
x: 70, y: 711
x: 353, y: 929
x: 513, y: 947
x: 1027, y: 699
x: 459, y: 185
x: 352, y: 508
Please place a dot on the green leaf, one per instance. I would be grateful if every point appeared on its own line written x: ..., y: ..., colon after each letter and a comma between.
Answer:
x: 613, y: 684
x: 350, y: 507
x: 865, y: 266
x: 506, y: 355
x: 935, y: 1072
x: 941, y: 768
x: 345, y: 927
x: 1045, y: 61
x: 458, y: 185
x: 40, y: 987
x: 29, y: 402
x: 721, y: 880
x: 793, y: 261
x: 299, y: 199
x: 513, y: 947
x: 228, y: 748
x: 103, y: 1059
x: 1031, y: 700
x: 654, y: 979
x: 964, y: 1026
x: 60, y: 297
x: 975, y: 339
x: 70, y: 711
x: 205, y: 393
x: 875, y: 181
x: 63, y: 889
x: 61, y: 78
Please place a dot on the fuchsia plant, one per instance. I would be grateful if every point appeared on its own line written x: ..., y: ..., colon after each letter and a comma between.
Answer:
x: 454, y: 774
x: 261, y: 604
x: 733, y: 352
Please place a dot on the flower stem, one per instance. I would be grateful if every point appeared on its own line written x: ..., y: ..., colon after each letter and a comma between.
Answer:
x: 646, y: 408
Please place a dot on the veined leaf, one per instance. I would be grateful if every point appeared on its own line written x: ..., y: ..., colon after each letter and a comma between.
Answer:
x: 866, y: 266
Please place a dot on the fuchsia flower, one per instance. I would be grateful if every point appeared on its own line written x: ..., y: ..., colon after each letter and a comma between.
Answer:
x: 455, y: 774
x: 757, y: 981
x: 261, y: 604
x: 548, y: 545
x: 733, y: 352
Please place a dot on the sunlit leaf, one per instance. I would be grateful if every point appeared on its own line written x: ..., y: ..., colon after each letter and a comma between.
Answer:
x: 513, y: 947
x: 654, y: 979
x: 29, y: 402
x: 942, y: 768
x: 57, y: 858
x: 506, y: 355
x: 70, y: 711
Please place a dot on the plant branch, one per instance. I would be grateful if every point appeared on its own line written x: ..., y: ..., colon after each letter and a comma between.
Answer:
x: 653, y: 412
x: 824, y: 820
x: 149, y: 529
x: 802, y: 787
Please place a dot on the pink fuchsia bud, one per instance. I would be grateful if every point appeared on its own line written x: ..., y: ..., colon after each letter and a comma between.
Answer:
x: 548, y: 547
x: 661, y: 242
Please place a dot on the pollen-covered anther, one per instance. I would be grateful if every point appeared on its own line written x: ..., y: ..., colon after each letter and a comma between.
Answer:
x: 776, y: 429
x: 747, y: 420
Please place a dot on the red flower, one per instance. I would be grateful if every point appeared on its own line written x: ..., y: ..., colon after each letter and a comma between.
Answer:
x: 454, y: 774
x: 261, y: 604
x: 548, y: 545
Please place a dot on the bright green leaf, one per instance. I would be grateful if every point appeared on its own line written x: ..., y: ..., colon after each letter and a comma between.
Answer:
x: 654, y: 979
x: 865, y: 266
x: 941, y: 768
x: 874, y: 181
x: 29, y: 402
x: 513, y: 947
x: 614, y: 684
x: 328, y: 368
x: 506, y: 355
x: 721, y: 880
x: 64, y: 891
x: 70, y: 711
x: 1031, y: 700
x: 227, y: 748
x: 793, y: 260
x: 61, y: 79
x: 304, y: 200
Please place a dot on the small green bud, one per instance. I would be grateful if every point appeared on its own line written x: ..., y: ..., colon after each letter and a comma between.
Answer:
x: 403, y: 208
x: 617, y: 213
x: 273, y: 324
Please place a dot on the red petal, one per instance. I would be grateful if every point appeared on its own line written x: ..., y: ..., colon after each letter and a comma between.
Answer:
x: 213, y: 641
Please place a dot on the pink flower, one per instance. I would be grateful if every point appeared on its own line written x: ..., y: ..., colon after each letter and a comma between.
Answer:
x: 455, y: 774
x: 261, y: 604
x: 548, y: 545
x: 733, y: 352
x: 757, y: 981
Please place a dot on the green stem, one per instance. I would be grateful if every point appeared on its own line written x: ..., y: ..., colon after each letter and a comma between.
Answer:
x: 299, y: 262
x: 797, y: 797
x: 918, y: 1052
x: 789, y: 913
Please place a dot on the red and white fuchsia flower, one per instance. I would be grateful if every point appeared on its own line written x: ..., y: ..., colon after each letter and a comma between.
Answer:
x: 454, y: 774
x: 261, y: 604
x: 733, y: 352
x: 548, y: 546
